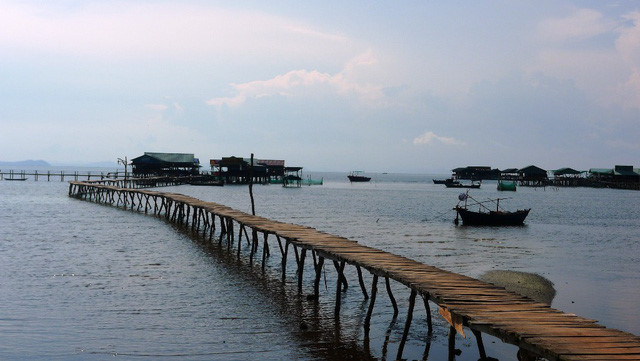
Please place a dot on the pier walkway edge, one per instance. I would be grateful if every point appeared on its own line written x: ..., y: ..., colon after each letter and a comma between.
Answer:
x: 536, y: 328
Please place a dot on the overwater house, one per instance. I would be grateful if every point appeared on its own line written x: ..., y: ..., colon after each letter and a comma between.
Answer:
x: 165, y: 164
x: 475, y: 173
x: 292, y: 177
x: 621, y: 176
x: 568, y: 177
x: 532, y: 176
x: 236, y: 170
x: 275, y: 169
x: 509, y: 174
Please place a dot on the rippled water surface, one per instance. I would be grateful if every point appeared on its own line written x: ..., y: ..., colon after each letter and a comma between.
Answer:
x: 82, y: 281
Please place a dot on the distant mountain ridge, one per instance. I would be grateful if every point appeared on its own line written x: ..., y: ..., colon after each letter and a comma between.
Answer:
x: 25, y: 163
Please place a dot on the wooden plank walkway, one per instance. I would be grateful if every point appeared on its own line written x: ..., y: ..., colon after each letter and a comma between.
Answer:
x: 536, y: 328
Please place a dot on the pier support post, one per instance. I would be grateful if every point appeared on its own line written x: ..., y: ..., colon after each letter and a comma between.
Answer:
x: 391, y: 298
x: 240, y: 238
x: 452, y: 343
x: 362, y: 286
x: 316, y: 282
x: 341, y: 278
x: 231, y: 235
x: 425, y: 298
x: 340, y: 269
x: 303, y: 254
x: 223, y: 230
x: 254, y: 242
x: 265, y: 249
x: 407, y: 325
x: 284, y: 259
x: 374, y: 291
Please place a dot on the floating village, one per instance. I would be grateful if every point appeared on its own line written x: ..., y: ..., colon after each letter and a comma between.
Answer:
x: 240, y: 170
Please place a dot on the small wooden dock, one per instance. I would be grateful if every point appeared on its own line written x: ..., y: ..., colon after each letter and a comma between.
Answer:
x: 61, y: 175
x: 536, y: 328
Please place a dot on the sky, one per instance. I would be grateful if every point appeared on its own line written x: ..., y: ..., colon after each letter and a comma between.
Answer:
x: 380, y: 86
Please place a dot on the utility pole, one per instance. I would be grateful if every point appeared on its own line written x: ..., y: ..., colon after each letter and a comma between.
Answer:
x: 253, y: 205
x: 124, y: 162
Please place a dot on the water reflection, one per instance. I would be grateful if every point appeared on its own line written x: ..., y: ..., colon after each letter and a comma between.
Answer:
x: 314, y: 327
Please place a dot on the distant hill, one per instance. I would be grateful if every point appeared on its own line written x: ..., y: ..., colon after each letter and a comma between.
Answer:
x: 25, y: 163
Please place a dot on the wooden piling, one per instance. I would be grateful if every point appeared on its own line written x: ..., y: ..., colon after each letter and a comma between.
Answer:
x: 407, y: 325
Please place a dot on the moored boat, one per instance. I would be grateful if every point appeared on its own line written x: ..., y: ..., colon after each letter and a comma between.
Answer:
x: 216, y: 183
x: 445, y: 181
x: 492, y: 218
x: 462, y: 185
x: 357, y: 176
x: 485, y: 216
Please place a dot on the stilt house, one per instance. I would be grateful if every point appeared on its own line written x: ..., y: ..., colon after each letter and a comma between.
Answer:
x: 533, y: 176
x: 165, y: 164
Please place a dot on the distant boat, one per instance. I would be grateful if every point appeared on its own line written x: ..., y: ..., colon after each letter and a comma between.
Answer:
x: 445, y: 181
x: 217, y: 183
x: 16, y: 179
x: 506, y: 185
x: 461, y: 185
x: 205, y: 181
x: 356, y: 176
x: 485, y: 216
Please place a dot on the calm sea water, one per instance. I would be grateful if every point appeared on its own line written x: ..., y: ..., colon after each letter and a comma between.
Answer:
x: 81, y: 281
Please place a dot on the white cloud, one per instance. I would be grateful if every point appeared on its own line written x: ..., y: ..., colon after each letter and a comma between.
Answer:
x: 157, y: 107
x: 126, y: 30
x: 582, y: 24
x: 628, y: 46
x: 300, y: 82
x: 430, y: 137
x: 600, y: 55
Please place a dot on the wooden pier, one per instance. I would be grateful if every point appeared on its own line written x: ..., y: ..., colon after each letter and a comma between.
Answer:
x: 61, y: 175
x: 536, y: 328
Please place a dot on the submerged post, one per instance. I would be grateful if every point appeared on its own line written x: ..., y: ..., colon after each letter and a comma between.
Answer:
x: 362, y: 286
x: 407, y: 325
x: 393, y: 299
x: 374, y: 291
x: 340, y: 269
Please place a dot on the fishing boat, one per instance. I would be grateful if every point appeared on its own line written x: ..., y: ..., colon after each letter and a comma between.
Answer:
x: 16, y: 179
x: 205, y: 181
x: 457, y: 184
x: 445, y: 181
x: 504, y: 185
x: 357, y: 176
x: 216, y: 183
x: 485, y: 216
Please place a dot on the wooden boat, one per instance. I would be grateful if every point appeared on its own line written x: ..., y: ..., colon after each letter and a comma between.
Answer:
x: 445, y: 181
x: 492, y: 218
x: 461, y: 185
x: 356, y: 176
x: 485, y: 216
x: 205, y: 181
x: 215, y: 183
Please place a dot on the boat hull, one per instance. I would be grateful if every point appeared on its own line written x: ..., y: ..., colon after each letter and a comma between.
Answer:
x: 492, y: 218
x: 445, y: 181
x: 358, y: 178
x: 460, y: 185
x: 207, y: 183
